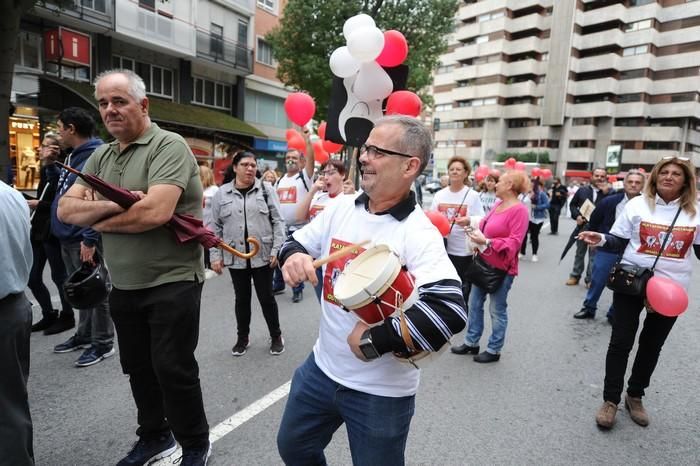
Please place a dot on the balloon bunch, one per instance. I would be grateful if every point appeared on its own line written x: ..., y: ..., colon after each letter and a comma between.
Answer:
x: 537, y: 172
x: 366, y: 52
x: 544, y: 173
x: 329, y: 146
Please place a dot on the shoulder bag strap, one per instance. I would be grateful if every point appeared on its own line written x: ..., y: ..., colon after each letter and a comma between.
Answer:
x: 668, y: 233
x: 459, y: 208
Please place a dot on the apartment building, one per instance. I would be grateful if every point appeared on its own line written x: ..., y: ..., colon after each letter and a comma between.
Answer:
x: 195, y: 57
x: 572, y: 78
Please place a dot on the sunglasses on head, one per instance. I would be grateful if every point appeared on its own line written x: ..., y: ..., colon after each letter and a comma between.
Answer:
x: 673, y: 157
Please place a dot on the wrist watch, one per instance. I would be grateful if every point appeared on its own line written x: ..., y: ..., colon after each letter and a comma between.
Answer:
x: 366, y: 346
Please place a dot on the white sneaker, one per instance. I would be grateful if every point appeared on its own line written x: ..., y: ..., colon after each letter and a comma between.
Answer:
x: 534, y: 258
x: 520, y: 256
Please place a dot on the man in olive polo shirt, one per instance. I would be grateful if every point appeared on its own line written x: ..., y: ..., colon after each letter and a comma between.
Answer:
x: 157, y: 282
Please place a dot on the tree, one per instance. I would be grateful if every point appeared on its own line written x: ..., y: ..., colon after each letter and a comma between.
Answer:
x: 310, y: 30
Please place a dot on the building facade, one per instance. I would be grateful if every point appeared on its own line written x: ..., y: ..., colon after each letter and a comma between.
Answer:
x: 195, y: 57
x: 571, y: 80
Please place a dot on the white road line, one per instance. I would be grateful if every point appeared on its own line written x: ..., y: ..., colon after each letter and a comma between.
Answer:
x: 229, y: 425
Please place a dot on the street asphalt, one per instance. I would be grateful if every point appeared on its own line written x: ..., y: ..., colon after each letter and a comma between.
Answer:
x: 535, y: 406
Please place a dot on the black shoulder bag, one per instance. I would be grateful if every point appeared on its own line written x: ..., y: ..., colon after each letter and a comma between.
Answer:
x: 632, y: 280
x: 484, y: 275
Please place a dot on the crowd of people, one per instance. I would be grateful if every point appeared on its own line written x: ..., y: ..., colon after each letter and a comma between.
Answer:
x: 154, y: 282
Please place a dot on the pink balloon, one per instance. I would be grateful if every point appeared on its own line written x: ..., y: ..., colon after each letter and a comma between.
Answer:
x: 546, y: 173
x: 322, y: 157
x: 395, y: 49
x: 322, y: 130
x: 440, y: 222
x: 510, y: 163
x: 300, y: 108
x: 666, y: 296
x: 331, y: 147
x: 403, y: 103
x: 520, y: 166
x: 495, y: 173
x: 481, y: 172
x: 536, y: 172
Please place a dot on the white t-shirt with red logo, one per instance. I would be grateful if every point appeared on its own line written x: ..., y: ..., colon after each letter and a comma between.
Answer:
x: 291, y: 191
x: 418, y: 245
x: 448, y: 203
x: 320, y: 201
x: 646, y: 230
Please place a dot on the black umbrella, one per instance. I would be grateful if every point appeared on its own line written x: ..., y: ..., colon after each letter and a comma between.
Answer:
x: 572, y: 239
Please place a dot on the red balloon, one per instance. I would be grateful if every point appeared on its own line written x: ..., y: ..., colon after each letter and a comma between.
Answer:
x: 322, y: 157
x: 331, y: 147
x: 319, y: 151
x: 440, y: 222
x: 300, y: 108
x: 666, y: 296
x: 510, y: 163
x: 296, y: 142
x: 520, y: 166
x: 322, y: 130
x: 395, y: 49
x: 546, y: 173
x: 403, y: 103
x: 612, y: 178
x: 291, y: 133
x: 536, y: 172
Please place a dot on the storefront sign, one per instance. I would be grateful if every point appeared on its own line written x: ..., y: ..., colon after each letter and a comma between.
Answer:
x: 269, y: 145
x: 67, y: 46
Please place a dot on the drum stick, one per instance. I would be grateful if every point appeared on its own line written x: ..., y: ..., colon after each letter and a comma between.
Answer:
x: 347, y: 250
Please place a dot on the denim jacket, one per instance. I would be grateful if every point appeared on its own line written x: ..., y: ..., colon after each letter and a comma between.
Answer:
x: 262, y: 220
x: 540, y: 205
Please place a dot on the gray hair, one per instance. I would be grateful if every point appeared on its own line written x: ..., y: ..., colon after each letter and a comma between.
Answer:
x: 52, y: 135
x: 634, y: 171
x: 416, y: 138
x: 137, y: 88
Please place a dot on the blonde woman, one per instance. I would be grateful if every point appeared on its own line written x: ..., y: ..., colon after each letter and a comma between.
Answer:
x: 210, y: 188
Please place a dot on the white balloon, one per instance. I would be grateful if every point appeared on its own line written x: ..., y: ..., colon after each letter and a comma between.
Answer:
x: 342, y: 63
x: 366, y: 44
x: 357, y: 22
x: 372, y: 83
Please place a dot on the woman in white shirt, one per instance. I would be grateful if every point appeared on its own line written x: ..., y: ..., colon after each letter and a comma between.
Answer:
x: 458, y: 202
x: 210, y: 188
x: 488, y: 196
x: 640, y: 231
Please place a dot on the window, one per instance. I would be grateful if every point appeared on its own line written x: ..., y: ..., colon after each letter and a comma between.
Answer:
x: 581, y: 143
x: 442, y: 69
x: 583, y: 122
x: 265, y: 109
x: 242, y: 45
x: 269, y: 5
x: 641, y: 2
x: 29, y: 50
x: 148, y: 4
x: 638, y: 50
x: 216, y: 41
x: 443, y: 107
x: 633, y: 74
x: 263, y: 53
x: 97, y: 5
x: 211, y: 93
x: 638, y: 25
x: 660, y: 145
x: 158, y: 80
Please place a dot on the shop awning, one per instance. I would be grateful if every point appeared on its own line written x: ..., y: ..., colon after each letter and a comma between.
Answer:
x: 163, y: 111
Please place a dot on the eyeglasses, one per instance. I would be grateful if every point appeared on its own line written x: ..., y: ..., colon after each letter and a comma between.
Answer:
x: 329, y: 172
x: 673, y: 157
x: 374, y: 152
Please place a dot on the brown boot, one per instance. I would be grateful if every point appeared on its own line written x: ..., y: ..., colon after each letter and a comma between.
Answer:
x: 572, y: 281
x: 605, y: 417
x: 637, y: 411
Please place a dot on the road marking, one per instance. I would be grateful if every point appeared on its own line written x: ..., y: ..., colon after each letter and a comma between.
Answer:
x: 227, y: 426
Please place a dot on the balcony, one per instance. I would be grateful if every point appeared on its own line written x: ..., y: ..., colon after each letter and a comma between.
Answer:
x: 170, y: 30
x: 215, y: 48
x: 84, y: 15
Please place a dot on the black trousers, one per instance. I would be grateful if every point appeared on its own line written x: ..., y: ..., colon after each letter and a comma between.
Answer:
x: 262, y: 279
x: 554, y: 212
x: 49, y: 250
x: 533, y: 230
x: 15, y: 421
x: 461, y: 263
x: 625, y: 324
x: 158, y: 330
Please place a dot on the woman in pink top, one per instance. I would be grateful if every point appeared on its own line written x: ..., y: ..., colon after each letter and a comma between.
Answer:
x: 503, y: 232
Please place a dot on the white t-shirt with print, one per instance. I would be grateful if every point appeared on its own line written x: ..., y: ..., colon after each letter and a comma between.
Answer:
x: 320, y: 201
x: 646, y: 230
x: 291, y: 191
x: 418, y: 245
x: 448, y: 203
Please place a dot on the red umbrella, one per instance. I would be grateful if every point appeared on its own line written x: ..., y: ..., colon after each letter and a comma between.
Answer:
x: 186, y: 227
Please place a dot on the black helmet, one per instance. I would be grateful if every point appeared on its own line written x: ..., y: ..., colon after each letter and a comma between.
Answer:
x: 89, y: 285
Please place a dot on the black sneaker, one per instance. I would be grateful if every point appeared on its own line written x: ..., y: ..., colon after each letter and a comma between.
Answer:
x: 194, y: 456
x: 72, y: 344
x: 241, y: 346
x: 46, y: 321
x: 147, y: 451
x: 277, y: 346
x: 297, y: 296
x: 63, y: 323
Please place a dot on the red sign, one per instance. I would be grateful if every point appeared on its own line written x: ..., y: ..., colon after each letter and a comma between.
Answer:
x: 67, y: 46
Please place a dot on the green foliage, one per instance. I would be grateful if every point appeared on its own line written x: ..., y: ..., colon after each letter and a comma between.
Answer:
x: 527, y: 157
x: 310, y: 30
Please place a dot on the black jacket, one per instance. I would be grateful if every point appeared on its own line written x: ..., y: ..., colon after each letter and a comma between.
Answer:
x: 561, y: 200
x: 580, y: 197
x: 41, y: 222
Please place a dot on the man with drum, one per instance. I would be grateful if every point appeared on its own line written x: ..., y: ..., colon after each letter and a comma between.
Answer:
x: 357, y: 374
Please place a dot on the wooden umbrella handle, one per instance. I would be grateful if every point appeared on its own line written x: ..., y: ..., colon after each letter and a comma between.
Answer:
x: 347, y: 250
x: 242, y: 255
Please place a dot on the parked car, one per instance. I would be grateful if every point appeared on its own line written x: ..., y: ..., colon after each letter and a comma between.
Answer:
x: 433, y: 187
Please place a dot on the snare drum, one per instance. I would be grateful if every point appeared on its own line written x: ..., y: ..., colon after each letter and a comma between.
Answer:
x: 374, y: 285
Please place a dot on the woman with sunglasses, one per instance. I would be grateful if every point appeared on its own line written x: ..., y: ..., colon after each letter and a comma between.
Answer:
x: 330, y: 184
x: 247, y: 207
x: 639, y: 232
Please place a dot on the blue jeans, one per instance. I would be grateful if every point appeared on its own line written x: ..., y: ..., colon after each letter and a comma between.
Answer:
x: 498, y: 308
x: 377, y: 426
x: 602, y: 263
